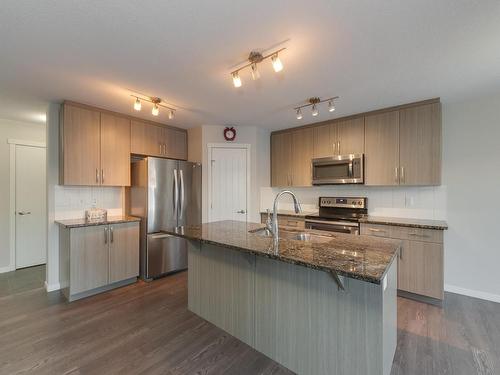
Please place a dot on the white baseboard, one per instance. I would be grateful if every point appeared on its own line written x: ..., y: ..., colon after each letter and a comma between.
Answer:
x: 7, y: 269
x: 472, y: 293
x: 52, y: 287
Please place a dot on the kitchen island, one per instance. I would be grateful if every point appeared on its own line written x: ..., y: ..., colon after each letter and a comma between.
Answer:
x: 315, y: 302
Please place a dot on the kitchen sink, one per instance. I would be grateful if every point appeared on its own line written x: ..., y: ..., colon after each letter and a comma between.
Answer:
x: 292, y: 235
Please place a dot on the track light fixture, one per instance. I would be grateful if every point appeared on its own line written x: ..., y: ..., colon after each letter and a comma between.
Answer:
x: 313, y: 103
x: 253, y: 60
x: 157, y: 103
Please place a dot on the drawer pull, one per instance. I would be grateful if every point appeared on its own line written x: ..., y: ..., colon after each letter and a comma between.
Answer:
x: 419, y: 235
x: 376, y: 230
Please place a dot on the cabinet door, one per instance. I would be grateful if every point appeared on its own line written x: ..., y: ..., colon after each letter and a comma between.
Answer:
x: 80, y: 146
x: 420, y: 145
x: 175, y: 142
x: 281, y: 151
x: 146, y: 139
x: 420, y: 268
x: 115, y: 150
x: 123, y: 251
x: 88, y: 258
x: 324, y: 141
x: 382, y: 149
x: 302, y: 153
x: 351, y: 136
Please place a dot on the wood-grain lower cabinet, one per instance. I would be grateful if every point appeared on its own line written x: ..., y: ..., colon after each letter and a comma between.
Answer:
x: 97, y: 258
x: 421, y: 259
x: 123, y: 251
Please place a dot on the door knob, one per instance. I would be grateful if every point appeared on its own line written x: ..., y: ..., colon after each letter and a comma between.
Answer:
x: 241, y: 212
x: 22, y: 213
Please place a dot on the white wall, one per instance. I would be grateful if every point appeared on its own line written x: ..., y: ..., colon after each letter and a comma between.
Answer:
x: 15, y: 130
x: 471, y: 170
x: 259, y: 140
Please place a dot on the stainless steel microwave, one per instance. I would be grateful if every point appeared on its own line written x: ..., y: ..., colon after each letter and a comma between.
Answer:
x: 342, y: 169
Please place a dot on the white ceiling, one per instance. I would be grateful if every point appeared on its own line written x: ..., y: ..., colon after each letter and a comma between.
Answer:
x: 370, y: 53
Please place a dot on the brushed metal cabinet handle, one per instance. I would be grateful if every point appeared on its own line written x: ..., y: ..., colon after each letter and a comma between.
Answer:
x: 102, y: 176
x: 403, y: 177
x: 338, y: 147
x: 97, y: 175
x: 22, y: 213
x: 105, y: 235
x: 111, y: 234
x: 396, y: 174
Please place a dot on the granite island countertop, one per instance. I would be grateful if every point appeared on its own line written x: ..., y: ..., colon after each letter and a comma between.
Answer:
x: 77, y: 223
x: 404, y: 222
x: 364, y: 258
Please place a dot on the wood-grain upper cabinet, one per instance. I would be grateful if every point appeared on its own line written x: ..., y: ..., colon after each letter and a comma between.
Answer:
x: 153, y: 140
x: 123, y: 251
x: 302, y: 153
x: 382, y: 149
x: 115, y: 150
x: 281, y: 155
x: 79, y: 146
x: 351, y: 136
x: 324, y: 141
x: 420, y: 145
x: 95, y: 148
x: 146, y: 139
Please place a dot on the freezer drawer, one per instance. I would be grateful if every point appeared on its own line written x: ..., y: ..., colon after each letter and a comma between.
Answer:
x: 165, y: 254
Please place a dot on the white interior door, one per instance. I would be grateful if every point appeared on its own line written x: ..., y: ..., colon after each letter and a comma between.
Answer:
x: 30, y: 203
x: 228, y: 184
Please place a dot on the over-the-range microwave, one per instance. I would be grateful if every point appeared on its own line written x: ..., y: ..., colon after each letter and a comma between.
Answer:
x: 341, y: 169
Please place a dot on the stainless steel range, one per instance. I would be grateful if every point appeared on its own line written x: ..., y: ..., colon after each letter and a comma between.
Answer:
x: 337, y: 214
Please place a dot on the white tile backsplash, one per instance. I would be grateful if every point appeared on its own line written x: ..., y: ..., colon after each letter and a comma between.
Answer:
x: 72, y: 201
x: 409, y: 202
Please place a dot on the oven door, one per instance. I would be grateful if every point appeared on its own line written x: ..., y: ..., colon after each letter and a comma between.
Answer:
x: 333, y: 226
x: 342, y: 169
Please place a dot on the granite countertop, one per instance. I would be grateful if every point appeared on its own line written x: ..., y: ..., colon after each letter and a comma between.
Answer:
x: 359, y: 257
x: 77, y: 223
x: 292, y: 213
x: 403, y: 222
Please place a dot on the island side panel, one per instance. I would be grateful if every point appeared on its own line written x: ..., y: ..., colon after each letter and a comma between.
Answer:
x: 305, y: 323
x: 390, y: 317
x: 221, y: 288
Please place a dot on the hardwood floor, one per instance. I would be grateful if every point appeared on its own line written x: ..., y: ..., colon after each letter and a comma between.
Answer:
x: 145, y: 328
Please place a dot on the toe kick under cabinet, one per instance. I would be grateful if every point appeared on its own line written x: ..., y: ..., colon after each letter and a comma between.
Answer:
x: 420, y: 262
x: 97, y: 258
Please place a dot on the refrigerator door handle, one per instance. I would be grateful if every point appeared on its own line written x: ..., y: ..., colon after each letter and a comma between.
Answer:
x: 182, y: 194
x: 176, y: 191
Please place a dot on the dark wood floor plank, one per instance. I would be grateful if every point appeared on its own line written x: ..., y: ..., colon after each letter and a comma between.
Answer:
x: 146, y: 328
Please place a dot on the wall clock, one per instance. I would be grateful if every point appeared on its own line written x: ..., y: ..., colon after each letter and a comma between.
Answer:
x: 229, y: 133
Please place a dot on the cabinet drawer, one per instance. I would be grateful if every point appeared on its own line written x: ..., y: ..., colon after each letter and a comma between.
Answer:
x: 417, y: 234
x: 376, y: 230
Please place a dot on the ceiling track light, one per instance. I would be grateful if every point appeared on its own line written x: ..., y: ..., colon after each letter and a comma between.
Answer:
x: 157, y: 103
x: 253, y: 60
x: 313, y: 103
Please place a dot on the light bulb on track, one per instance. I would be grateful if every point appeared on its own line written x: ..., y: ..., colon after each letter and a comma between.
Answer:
x: 170, y: 114
x: 137, y: 104
x: 155, y: 111
x: 277, y: 64
x: 314, y: 110
x: 331, y: 106
x: 299, y: 114
x: 236, y: 79
x: 255, y: 72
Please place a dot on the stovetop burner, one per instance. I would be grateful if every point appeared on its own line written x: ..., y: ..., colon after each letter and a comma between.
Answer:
x: 338, y: 208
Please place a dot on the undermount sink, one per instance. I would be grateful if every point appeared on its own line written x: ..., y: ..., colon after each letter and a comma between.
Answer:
x: 289, y: 235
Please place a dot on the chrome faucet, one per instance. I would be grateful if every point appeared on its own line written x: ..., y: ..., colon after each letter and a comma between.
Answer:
x: 272, y: 225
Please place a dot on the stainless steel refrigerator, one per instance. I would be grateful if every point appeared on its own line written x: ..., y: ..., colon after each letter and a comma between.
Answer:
x: 165, y: 193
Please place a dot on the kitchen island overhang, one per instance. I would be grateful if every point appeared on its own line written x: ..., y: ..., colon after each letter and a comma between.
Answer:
x: 284, y: 304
